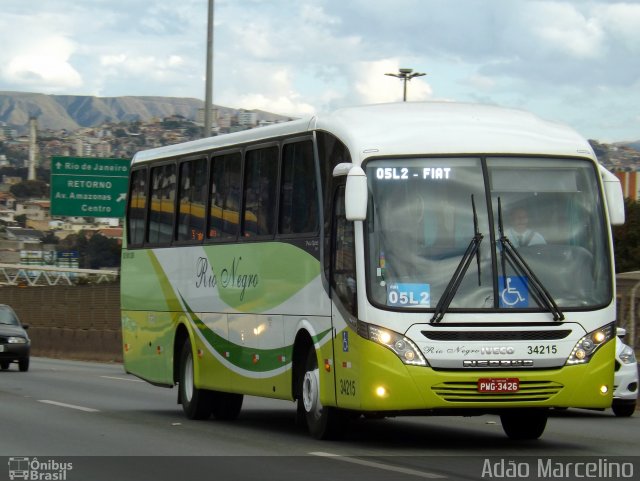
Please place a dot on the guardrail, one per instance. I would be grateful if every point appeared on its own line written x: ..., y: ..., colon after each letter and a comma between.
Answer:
x: 32, y: 275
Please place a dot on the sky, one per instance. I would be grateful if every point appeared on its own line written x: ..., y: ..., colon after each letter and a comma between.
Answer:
x: 572, y: 61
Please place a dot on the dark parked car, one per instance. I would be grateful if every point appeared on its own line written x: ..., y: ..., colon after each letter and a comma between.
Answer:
x: 15, y: 344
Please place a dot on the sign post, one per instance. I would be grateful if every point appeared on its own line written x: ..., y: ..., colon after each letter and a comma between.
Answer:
x: 89, y: 187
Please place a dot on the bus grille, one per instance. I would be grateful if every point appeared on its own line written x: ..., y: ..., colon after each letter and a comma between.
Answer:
x: 467, y: 392
x: 496, y: 335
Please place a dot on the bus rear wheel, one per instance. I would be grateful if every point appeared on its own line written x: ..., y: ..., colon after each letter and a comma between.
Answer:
x: 196, y: 403
x: 323, y: 422
x: 523, y: 424
x: 226, y: 406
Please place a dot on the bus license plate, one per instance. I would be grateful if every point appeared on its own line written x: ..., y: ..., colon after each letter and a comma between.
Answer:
x: 494, y: 385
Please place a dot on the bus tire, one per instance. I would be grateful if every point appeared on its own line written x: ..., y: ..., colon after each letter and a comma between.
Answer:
x: 226, y: 406
x: 323, y: 422
x: 196, y: 403
x: 524, y: 424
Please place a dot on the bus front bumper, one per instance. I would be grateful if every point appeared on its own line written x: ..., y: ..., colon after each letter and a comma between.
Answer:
x: 389, y: 385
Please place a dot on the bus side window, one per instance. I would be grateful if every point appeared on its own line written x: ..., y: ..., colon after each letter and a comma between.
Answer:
x: 298, y: 191
x: 261, y: 180
x: 191, y: 197
x: 224, y: 206
x: 137, y: 207
x: 331, y: 152
x: 344, y: 262
x: 163, y: 191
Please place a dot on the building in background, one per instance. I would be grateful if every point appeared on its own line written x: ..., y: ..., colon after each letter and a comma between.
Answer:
x: 630, y: 181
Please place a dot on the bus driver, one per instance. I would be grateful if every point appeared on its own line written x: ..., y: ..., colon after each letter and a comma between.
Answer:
x: 519, y: 233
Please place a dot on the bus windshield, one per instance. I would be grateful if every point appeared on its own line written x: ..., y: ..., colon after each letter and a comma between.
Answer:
x: 424, y: 214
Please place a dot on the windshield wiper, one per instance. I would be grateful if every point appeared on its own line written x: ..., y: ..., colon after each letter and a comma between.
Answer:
x: 511, y: 254
x: 472, y: 250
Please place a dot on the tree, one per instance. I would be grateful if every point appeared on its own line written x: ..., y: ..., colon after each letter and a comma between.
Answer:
x: 193, y: 131
x: 78, y: 243
x: 21, y: 220
x: 50, y: 238
x: 626, y: 239
x: 102, y: 252
x: 30, y: 189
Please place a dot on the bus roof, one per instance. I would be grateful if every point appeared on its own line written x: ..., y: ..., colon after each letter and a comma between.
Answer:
x: 224, y: 141
x: 412, y: 128
x: 415, y: 128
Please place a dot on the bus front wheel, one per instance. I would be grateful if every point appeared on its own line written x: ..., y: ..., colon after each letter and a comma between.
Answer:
x: 196, y: 403
x: 522, y: 424
x: 323, y: 422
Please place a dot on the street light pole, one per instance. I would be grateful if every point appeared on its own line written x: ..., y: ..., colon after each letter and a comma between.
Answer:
x: 405, y: 74
x: 208, y: 97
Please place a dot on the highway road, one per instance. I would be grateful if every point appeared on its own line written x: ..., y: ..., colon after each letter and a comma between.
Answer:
x: 111, y: 425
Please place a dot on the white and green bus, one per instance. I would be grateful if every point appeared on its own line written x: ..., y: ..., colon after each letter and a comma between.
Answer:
x: 385, y: 260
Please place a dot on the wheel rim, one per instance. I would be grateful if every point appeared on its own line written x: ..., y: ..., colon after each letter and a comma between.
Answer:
x: 188, y: 378
x: 310, y: 393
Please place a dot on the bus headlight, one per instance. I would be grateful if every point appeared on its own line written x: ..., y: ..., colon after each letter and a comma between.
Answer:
x: 404, y: 348
x: 586, y: 347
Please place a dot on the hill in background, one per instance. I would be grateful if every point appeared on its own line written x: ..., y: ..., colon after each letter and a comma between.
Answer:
x: 71, y: 112
x: 633, y: 145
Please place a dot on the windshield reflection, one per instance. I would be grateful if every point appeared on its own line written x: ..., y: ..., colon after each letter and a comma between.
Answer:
x: 421, y: 221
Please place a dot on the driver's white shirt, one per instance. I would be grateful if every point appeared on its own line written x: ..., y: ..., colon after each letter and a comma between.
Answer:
x: 526, y: 238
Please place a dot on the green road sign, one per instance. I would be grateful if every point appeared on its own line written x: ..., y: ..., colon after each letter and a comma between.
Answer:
x: 89, y: 187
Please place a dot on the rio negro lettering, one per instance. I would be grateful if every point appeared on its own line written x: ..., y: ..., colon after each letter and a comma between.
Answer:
x: 229, y: 278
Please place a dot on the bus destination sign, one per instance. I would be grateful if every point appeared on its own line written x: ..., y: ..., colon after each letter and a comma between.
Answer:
x: 89, y: 187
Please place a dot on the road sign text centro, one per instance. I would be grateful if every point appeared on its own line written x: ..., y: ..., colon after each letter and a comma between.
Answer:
x: 88, y: 187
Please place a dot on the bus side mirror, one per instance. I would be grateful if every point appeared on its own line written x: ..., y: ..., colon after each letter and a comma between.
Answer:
x: 614, y: 195
x: 356, y: 192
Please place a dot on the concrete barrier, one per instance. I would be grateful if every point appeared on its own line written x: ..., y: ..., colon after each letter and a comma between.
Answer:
x: 71, y: 322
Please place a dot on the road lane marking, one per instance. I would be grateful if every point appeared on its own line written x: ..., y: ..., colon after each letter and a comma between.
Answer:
x: 373, y: 464
x: 121, y: 379
x: 70, y: 406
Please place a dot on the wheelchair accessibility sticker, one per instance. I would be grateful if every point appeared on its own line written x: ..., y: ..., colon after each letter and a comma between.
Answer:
x: 515, y: 293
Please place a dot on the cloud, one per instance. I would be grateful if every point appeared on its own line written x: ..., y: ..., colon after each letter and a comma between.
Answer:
x: 621, y: 22
x: 144, y: 66
x: 481, y: 82
x: 45, y: 67
x: 264, y: 87
x: 560, y: 29
x: 290, y: 104
x: 373, y: 86
x: 294, y: 57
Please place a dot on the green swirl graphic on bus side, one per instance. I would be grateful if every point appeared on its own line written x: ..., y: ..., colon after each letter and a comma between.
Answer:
x: 244, y: 357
